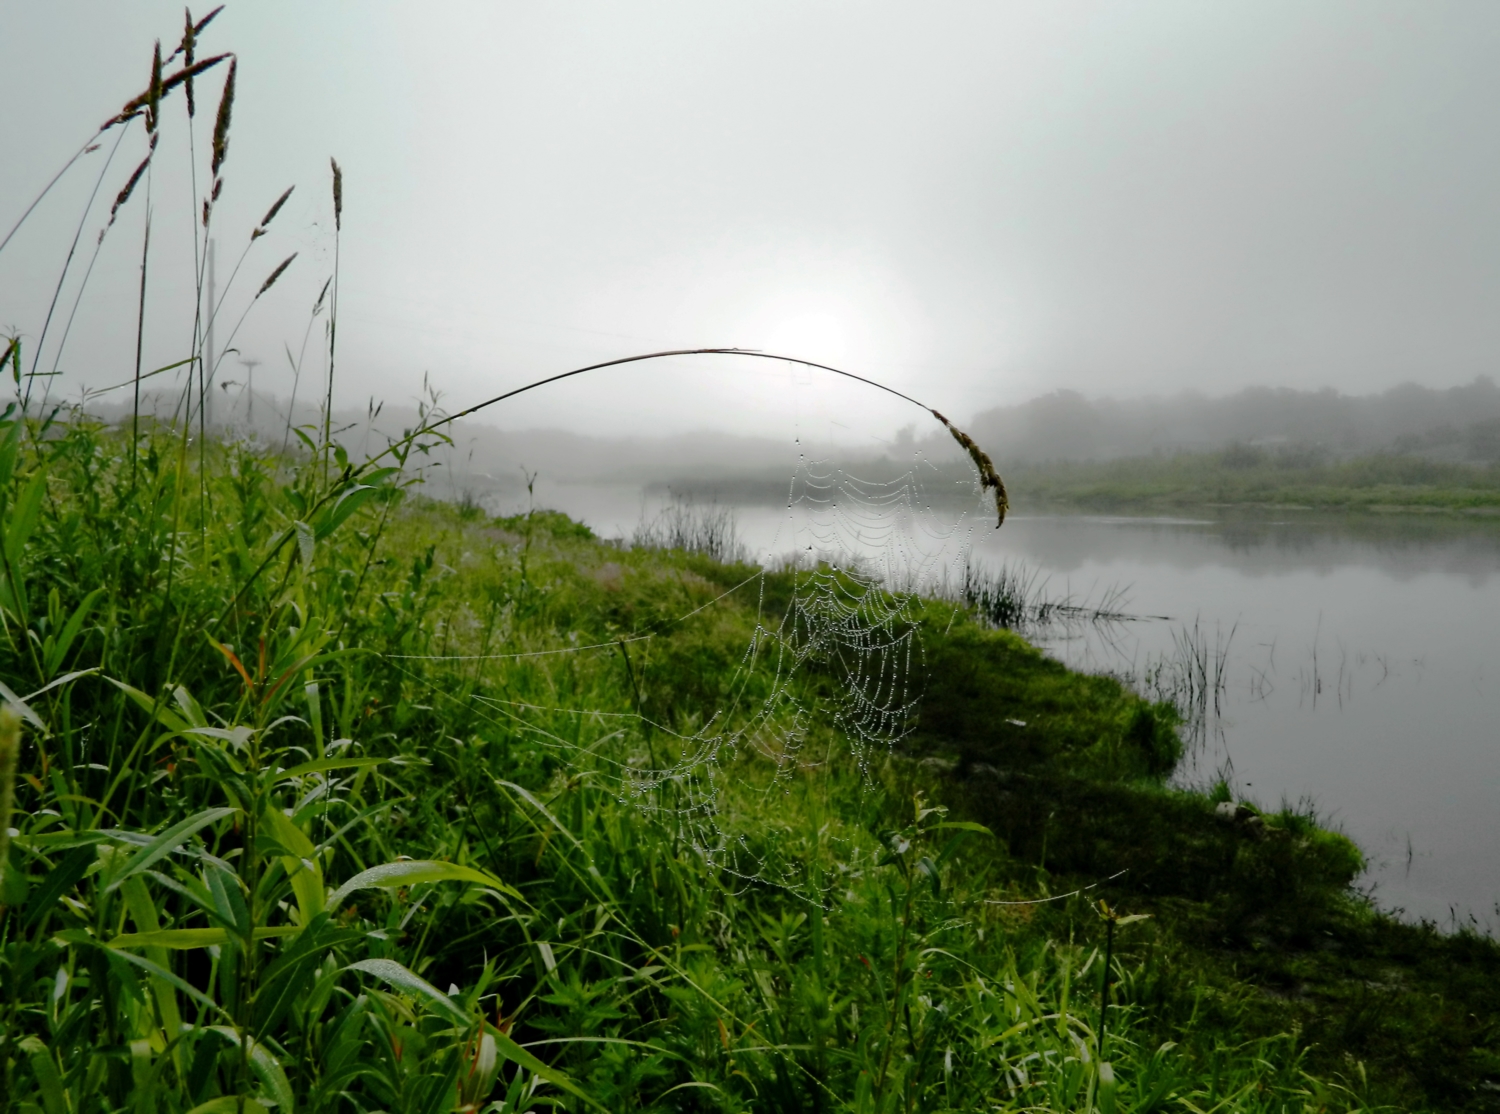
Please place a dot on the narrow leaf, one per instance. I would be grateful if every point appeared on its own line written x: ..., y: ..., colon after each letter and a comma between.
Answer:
x: 322, y: 764
x: 224, y: 1104
x: 81, y: 938
x: 70, y: 631
x: 391, y: 876
x: 24, y: 708
x: 267, y: 1069
x: 164, y: 715
x: 349, y: 502
x: 518, y: 1055
x: 391, y: 972
x: 186, y: 939
x: 163, y: 845
x: 49, y: 1080
x: 24, y: 518
x: 965, y: 826
x: 10, y: 447
x: 306, y: 543
x: 301, y: 865
x: 65, y: 679
x: 60, y: 879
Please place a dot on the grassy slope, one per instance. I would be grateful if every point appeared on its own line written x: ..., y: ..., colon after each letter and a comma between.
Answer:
x: 655, y: 978
x: 1263, y: 923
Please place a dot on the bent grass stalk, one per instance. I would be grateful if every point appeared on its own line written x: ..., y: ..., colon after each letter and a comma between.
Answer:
x: 989, y: 480
x: 333, y: 309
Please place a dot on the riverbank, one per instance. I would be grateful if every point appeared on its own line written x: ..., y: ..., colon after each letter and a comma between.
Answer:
x: 1254, y: 923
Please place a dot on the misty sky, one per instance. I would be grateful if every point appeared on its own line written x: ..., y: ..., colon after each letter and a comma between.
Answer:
x: 977, y: 203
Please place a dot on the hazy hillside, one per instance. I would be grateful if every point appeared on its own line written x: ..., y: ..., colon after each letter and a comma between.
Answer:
x: 1457, y: 423
x: 486, y: 456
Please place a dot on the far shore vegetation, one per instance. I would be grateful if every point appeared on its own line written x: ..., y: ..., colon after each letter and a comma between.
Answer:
x: 1240, y: 476
x: 1249, y: 476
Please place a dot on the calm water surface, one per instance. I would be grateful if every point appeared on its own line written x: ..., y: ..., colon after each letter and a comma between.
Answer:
x: 1361, y: 665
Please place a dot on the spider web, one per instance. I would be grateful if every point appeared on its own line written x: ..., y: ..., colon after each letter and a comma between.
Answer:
x: 861, y: 554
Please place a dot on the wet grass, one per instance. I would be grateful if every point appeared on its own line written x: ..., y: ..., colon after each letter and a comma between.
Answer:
x: 1012, y: 597
x: 351, y: 834
x: 1255, y: 929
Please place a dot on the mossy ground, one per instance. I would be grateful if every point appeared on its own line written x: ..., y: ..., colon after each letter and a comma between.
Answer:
x: 1253, y: 923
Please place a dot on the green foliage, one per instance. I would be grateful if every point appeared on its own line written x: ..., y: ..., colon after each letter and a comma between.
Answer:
x: 281, y: 788
x: 994, y: 698
x: 1244, y: 475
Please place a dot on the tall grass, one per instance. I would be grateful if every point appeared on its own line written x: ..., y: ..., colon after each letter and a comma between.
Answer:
x: 1194, y: 678
x: 1013, y: 597
x: 319, y: 808
x: 345, y: 835
x: 684, y: 524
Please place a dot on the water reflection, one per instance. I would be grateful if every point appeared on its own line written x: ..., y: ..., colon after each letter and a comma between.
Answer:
x: 1357, y: 669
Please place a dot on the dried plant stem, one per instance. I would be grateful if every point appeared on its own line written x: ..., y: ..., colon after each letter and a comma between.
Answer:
x: 78, y: 154
x: 989, y: 478
x: 398, y: 448
x: 333, y: 311
x: 291, y: 410
x: 94, y: 258
x: 140, y: 333
x: 67, y: 264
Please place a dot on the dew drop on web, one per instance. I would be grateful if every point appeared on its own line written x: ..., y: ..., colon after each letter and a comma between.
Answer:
x: 860, y: 554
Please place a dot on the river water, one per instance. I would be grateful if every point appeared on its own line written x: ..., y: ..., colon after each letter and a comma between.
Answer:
x: 1358, y: 656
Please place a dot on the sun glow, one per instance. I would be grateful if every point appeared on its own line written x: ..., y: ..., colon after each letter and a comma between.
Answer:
x: 812, y: 336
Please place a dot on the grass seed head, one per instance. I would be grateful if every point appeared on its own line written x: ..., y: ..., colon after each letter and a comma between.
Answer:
x: 124, y: 194
x: 191, y: 31
x: 221, y: 124
x: 134, y: 106
x: 206, y: 20
x: 189, y: 44
x: 338, y: 195
x: 276, y: 274
x: 153, y: 92
x: 989, y: 479
x: 260, y: 229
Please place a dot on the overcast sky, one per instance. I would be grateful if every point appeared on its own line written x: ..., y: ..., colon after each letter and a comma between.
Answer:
x: 977, y: 202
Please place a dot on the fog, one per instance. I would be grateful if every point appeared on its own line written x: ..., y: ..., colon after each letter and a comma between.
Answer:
x: 1456, y: 423
x: 977, y: 204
